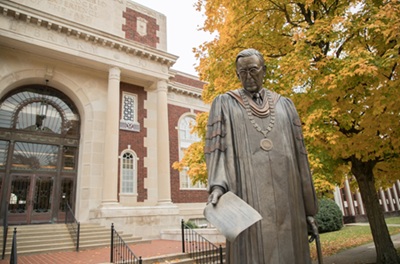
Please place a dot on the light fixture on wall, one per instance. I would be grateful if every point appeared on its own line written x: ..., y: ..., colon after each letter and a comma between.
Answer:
x: 43, y: 109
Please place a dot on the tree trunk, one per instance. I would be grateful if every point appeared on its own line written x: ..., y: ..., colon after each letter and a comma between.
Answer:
x: 385, y: 250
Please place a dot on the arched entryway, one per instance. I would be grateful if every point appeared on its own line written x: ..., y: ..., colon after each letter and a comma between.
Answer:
x: 39, y: 141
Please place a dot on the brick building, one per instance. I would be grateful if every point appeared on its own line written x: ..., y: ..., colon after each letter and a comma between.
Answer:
x: 92, y: 113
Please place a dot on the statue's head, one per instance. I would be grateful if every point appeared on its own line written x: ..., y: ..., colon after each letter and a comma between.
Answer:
x: 251, y: 69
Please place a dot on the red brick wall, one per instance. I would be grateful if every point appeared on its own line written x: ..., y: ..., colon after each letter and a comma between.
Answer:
x: 135, y: 139
x: 178, y: 195
x: 150, y: 38
x: 188, y: 81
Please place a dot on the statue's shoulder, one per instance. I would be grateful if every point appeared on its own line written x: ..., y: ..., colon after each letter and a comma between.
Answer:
x: 227, y: 96
x: 234, y: 94
x: 273, y: 95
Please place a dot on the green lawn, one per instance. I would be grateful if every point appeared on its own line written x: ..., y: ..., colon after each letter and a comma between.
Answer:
x: 393, y: 220
x: 348, y: 237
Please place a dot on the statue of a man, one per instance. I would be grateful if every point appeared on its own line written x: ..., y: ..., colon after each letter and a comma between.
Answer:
x: 255, y: 148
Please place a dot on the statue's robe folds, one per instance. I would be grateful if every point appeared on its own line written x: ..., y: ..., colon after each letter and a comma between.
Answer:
x: 277, y: 183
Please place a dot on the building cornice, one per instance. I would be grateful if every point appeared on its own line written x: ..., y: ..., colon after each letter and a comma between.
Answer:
x: 184, y: 89
x: 18, y: 12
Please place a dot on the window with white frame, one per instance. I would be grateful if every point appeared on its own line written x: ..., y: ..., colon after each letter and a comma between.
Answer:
x: 186, y: 138
x: 129, y: 112
x: 128, y: 172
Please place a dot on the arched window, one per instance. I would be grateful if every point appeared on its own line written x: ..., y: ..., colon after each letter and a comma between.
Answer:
x: 128, y: 172
x: 39, y: 146
x: 186, y: 138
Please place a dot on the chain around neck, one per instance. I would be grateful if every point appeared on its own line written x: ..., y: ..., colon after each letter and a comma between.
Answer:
x: 251, y: 116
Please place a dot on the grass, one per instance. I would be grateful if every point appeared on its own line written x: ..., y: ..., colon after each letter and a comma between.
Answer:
x: 393, y: 220
x: 349, y: 237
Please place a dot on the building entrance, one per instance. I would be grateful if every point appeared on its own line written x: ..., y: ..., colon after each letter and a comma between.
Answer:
x: 39, y: 141
x: 30, y: 199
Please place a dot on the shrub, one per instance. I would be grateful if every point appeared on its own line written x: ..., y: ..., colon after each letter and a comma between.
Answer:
x: 191, y: 225
x: 329, y: 217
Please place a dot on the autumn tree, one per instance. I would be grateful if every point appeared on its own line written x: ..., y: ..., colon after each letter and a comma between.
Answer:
x: 339, y: 61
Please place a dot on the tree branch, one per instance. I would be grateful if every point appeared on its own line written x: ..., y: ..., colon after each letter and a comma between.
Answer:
x: 348, y: 132
x: 305, y: 13
x: 393, y: 71
x: 342, y: 46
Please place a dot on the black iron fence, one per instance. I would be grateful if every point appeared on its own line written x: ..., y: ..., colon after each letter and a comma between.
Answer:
x: 198, y: 247
x: 73, y: 225
x: 5, y: 230
x: 13, y: 256
x: 120, y: 251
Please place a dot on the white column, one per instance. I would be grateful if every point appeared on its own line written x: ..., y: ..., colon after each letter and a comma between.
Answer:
x: 338, y: 198
x: 383, y: 200
x: 360, y: 203
x: 110, y: 180
x: 396, y: 196
x: 349, y: 197
x: 398, y: 185
x: 163, y: 162
x: 390, y: 198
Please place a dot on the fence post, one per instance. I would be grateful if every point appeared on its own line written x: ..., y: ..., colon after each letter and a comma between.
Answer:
x: 112, y: 244
x: 77, y: 236
x: 5, y: 230
x: 13, y: 257
x: 183, y: 235
x: 221, y: 259
x: 66, y: 211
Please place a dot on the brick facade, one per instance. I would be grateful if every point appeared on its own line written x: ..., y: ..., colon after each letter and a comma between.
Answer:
x: 188, y: 81
x: 150, y: 38
x: 135, y: 139
x: 178, y: 195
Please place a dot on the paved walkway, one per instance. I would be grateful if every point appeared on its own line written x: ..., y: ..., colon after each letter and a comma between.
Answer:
x: 100, y: 255
x: 364, y: 254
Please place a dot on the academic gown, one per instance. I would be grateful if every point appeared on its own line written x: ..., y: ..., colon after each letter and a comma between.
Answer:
x: 277, y: 183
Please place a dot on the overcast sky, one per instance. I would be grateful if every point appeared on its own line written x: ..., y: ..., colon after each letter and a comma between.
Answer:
x: 183, y: 35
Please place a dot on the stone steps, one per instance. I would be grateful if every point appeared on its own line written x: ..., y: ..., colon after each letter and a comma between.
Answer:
x: 56, y: 237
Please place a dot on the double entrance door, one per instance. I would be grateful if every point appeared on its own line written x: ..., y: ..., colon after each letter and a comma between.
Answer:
x: 33, y: 199
x: 30, y: 199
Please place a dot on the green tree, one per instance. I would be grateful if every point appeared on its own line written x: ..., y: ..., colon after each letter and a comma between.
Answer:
x: 339, y: 61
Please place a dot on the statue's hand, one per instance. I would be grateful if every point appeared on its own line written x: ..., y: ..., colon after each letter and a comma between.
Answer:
x: 214, y: 195
x: 313, y: 224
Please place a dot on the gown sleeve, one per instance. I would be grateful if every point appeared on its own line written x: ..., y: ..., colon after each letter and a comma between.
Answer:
x: 215, y: 147
x: 309, y: 196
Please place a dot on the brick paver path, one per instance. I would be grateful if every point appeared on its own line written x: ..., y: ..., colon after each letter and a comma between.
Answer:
x: 100, y: 255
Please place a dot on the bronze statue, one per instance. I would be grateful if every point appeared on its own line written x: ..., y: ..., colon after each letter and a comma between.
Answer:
x: 255, y: 148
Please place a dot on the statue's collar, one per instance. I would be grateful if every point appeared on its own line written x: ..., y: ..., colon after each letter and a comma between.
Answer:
x: 257, y: 110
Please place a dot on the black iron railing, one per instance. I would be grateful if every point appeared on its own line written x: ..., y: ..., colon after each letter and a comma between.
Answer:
x: 198, y: 247
x: 14, y: 256
x: 73, y: 225
x: 120, y: 251
x: 5, y: 230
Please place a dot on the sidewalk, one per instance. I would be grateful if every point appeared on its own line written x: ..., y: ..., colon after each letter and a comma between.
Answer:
x: 364, y: 254
x: 100, y: 255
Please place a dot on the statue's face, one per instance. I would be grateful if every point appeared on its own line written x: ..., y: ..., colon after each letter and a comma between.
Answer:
x: 251, y: 73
